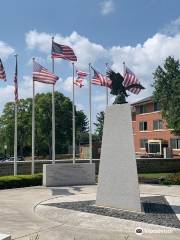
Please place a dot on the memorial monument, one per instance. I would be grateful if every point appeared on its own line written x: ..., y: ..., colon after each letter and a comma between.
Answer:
x: 5, y: 236
x: 118, y: 179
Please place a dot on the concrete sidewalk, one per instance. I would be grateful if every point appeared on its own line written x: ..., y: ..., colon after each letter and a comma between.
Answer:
x: 25, y: 214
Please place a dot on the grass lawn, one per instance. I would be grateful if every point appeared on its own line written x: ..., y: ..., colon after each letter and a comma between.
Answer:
x: 154, y: 175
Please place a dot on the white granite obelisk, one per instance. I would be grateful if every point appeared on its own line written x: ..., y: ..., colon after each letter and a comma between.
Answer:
x: 5, y: 237
x: 118, y: 179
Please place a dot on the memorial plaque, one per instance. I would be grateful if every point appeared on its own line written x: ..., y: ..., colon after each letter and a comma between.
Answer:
x: 67, y: 174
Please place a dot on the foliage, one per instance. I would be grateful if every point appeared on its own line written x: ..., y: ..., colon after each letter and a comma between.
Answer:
x: 99, y: 125
x: 167, y: 92
x: 43, y: 125
x: 24, y: 126
x: 163, y: 178
x: 84, y: 138
x: 120, y: 99
x: 174, y: 179
x: 20, y: 181
x: 154, y: 175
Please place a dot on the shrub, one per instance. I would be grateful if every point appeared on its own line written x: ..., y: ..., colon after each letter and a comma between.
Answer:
x: 174, y: 178
x: 20, y: 181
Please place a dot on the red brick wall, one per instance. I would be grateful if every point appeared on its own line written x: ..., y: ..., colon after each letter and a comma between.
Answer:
x: 150, y: 134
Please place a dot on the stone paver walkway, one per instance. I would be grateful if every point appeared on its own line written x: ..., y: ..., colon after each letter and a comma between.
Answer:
x: 27, y: 214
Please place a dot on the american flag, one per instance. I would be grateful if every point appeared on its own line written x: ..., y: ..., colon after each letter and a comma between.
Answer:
x: 80, y: 77
x: 130, y: 78
x: 16, y: 82
x: 2, y: 71
x: 62, y: 51
x: 101, y: 80
x: 41, y: 74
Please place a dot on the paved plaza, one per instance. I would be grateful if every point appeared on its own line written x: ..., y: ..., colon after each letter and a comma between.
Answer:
x: 32, y: 213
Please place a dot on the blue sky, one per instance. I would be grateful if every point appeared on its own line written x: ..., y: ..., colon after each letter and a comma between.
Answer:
x: 141, y: 32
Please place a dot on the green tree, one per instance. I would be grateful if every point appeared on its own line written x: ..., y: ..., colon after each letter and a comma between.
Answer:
x: 24, y: 126
x: 43, y: 124
x: 167, y: 92
x: 120, y: 99
x: 99, y: 125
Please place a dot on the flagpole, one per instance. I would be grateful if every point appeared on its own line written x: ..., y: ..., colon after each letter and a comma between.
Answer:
x: 53, y: 117
x: 15, y: 130
x: 106, y: 86
x: 33, y: 124
x: 124, y: 68
x: 73, y: 120
x: 90, y: 121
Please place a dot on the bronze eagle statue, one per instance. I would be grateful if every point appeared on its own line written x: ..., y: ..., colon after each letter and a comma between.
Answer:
x: 117, y: 86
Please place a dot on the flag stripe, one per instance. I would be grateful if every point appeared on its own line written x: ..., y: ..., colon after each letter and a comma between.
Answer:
x: 41, y: 74
x: 130, y: 78
x: 62, y: 51
x: 80, y: 78
x: 101, y: 80
x: 2, y: 71
x: 79, y: 82
x: 16, y: 82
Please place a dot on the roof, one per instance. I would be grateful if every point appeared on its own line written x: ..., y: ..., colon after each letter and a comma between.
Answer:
x: 144, y: 100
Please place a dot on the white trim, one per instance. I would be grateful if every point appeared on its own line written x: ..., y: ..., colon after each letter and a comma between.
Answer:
x: 176, y: 149
x: 148, y: 113
x: 160, y: 130
x: 145, y: 131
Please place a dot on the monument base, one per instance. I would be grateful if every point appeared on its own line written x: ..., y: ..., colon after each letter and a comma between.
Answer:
x: 118, y: 180
x: 68, y: 174
x: 5, y: 237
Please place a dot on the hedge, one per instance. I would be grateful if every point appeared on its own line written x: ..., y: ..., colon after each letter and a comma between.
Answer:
x: 20, y: 181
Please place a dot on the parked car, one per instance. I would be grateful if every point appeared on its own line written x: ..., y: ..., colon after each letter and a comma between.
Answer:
x: 2, y: 159
x: 11, y: 159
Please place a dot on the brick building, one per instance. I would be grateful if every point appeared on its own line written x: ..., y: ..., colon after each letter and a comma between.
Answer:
x: 151, y: 135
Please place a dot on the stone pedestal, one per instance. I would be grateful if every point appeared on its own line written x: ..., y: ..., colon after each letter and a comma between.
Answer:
x: 118, y: 180
x: 68, y: 174
x: 5, y: 237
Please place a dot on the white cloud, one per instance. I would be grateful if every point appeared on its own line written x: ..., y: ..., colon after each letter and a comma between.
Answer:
x: 24, y: 89
x: 142, y: 58
x: 42, y: 41
x: 7, y: 95
x: 5, y: 50
x: 38, y: 59
x: 67, y: 84
x: 80, y: 106
x: 85, y: 50
x: 107, y: 7
x: 173, y: 27
x: 99, y: 98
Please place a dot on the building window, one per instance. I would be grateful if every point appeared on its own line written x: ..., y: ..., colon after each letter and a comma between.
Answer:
x: 142, y: 109
x: 175, y: 143
x: 157, y: 124
x: 156, y: 107
x: 143, y: 126
x: 143, y: 143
